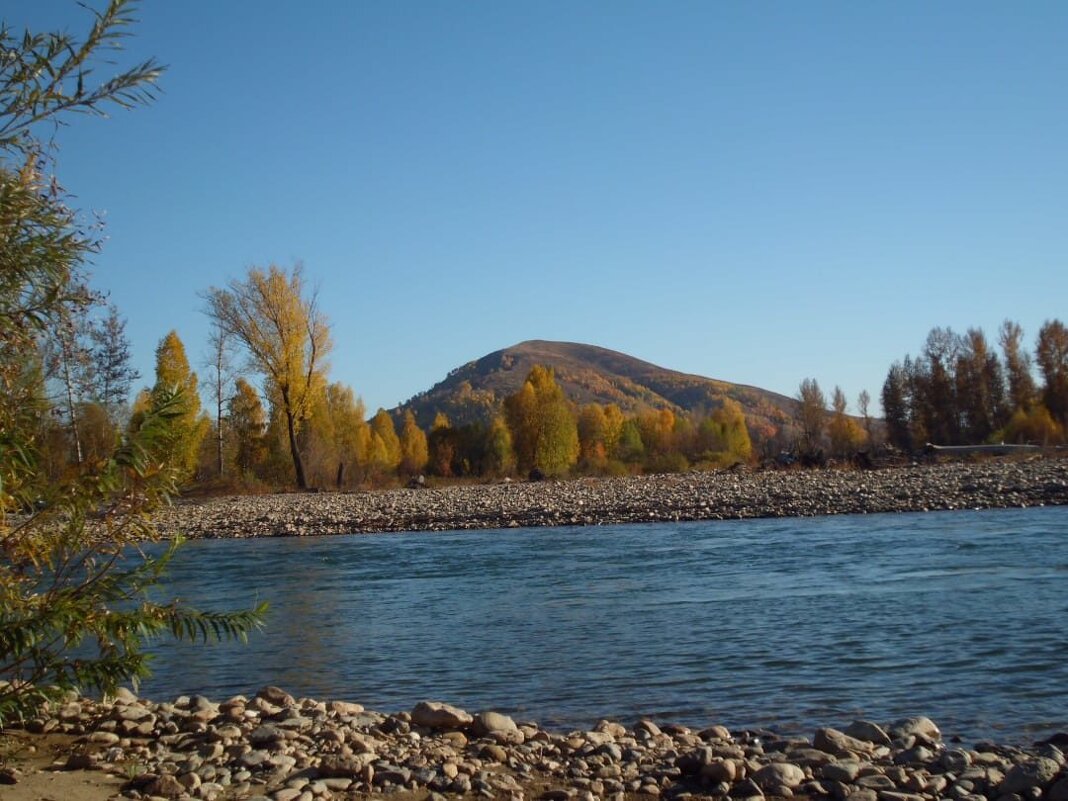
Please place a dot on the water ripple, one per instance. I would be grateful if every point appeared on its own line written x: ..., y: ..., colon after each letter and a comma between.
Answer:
x: 785, y: 623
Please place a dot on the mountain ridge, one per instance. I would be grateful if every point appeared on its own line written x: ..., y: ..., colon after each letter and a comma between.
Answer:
x: 472, y: 392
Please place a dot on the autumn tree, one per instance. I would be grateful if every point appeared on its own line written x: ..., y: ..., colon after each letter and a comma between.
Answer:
x: 413, y: 446
x: 1022, y: 391
x: 1051, y: 353
x: 845, y: 435
x: 186, y: 428
x: 385, y: 455
x: 592, y: 425
x: 544, y: 431
x: 442, y: 445
x: 277, y: 319
x: 813, y: 413
x: 352, y: 435
x: 248, y: 424
x: 864, y: 406
x: 980, y: 388
x: 723, y: 436
x: 500, y: 456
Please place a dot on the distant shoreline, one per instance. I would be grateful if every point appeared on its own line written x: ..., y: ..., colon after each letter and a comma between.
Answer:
x: 721, y: 495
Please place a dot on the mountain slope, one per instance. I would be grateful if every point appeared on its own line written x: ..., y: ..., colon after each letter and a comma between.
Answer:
x: 588, y: 374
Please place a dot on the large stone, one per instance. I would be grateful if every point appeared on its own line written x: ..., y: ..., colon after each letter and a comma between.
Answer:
x: 1035, y: 773
x: 437, y: 715
x: 486, y: 722
x: 918, y: 726
x: 722, y: 770
x: 868, y: 731
x: 835, y: 742
x: 779, y: 774
x: 276, y: 696
x: 336, y: 766
x: 845, y: 771
x: 1059, y: 791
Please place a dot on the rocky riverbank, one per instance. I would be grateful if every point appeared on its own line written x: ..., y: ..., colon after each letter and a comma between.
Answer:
x: 274, y: 747
x: 690, y: 496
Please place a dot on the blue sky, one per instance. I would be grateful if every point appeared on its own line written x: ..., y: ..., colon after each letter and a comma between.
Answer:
x: 753, y: 191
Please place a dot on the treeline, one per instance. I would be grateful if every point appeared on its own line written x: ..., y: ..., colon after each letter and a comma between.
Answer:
x: 959, y: 391
x: 266, y: 415
x: 278, y: 421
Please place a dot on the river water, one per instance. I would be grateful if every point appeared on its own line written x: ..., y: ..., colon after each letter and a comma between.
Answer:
x: 785, y: 624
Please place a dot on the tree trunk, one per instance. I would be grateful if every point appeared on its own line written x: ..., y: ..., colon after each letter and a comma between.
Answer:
x: 68, y: 381
x: 218, y: 427
x: 340, y: 474
x: 298, y: 463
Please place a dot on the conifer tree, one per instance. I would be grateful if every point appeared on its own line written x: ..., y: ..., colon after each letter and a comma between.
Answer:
x: 113, y: 374
x: 186, y: 428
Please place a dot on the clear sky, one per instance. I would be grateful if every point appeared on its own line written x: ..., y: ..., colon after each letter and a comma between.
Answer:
x: 753, y: 191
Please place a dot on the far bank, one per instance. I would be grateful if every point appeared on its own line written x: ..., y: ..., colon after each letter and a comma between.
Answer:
x: 718, y: 495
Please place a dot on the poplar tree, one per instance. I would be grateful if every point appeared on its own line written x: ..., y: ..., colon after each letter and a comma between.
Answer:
x: 248, y: 424
x: 277, y: 319
x: 1051, y: 353
x: 413, y: 446
x: 813, y: 412
x: 1022, y: 392
x: 385, y: 445
x: 544, y: 431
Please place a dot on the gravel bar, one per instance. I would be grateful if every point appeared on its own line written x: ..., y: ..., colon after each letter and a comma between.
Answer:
x: 274, y: 747
x: 722, y: 495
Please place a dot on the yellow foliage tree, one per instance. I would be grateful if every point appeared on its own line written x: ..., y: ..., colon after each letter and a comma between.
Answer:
x: 544, y: 431
x: 413, y: 446
x: 385, y: 445
x: 846, y: 435
x: 186, y: 428
x: 248, y: 424
x: 278, y: 321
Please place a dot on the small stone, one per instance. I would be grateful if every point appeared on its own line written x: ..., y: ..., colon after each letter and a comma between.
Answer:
x: 80, y: 762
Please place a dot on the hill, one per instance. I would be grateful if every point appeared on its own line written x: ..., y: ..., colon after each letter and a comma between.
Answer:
x: 589, y: 374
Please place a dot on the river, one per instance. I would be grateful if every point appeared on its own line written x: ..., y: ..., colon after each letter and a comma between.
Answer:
x: 785, y: 624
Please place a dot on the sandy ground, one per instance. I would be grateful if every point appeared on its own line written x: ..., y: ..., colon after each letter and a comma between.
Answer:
x: 34, y: 756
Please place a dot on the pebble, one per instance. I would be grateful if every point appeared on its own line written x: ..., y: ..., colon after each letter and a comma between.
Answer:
x: 710, y: 495
x: 304, y: 750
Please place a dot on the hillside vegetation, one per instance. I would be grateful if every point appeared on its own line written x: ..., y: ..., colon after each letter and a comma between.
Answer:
x: 589, y: 374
